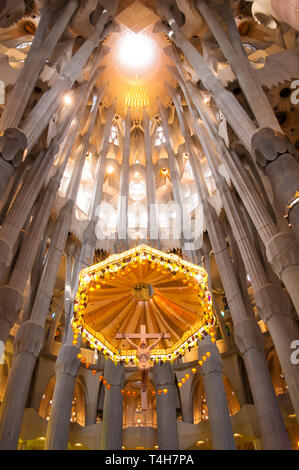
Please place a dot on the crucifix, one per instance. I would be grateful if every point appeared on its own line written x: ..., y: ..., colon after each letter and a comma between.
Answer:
x: 143, y: 354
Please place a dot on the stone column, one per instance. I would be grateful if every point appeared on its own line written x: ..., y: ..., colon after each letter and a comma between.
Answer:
x: 41, y: 49
x: 249, y: 339
x: 273, y: 305
x: 184, y: 228
x: 50, y: 101
x: 241, y: 123
x: 164, y: 378
x: 219, y: 417
x: 27, y: 346
x: 101, y: 166
x: 185, y: 393
x: 28, y: 193
x: 124, y: 181
x: 38, y: 317
x: 281, y: 247
x: 67, y: 363
x: 279, y: 161
x: 12, y: 152
x: 112, y: 425
x: 173, y: 166
x: 287, y: 11
x: 236, y: 56
x: 225, y: 100
x: 12, y: 147
x: 152, y: 206
x: 66, y: 369
x: 11, y: 294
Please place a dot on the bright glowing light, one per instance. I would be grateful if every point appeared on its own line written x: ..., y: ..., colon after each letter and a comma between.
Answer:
x: 110, y: 170
x: 67, y: 100
x: 207, y: 99
x: 137, y: 190
x: 164, y: 171
x: 136, y: 52
x: 137, y: 98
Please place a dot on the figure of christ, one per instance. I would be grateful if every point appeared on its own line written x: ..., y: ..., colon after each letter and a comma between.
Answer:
x: 143, y: 354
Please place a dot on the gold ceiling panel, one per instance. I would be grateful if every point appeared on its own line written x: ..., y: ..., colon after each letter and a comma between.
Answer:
x: 143, y: 286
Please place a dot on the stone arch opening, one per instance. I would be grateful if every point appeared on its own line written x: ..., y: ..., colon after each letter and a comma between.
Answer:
x: 200, y: 406
x: 276, y: 373
x: 4, y: 371
x: 133, y: 415
x: 78, y: 403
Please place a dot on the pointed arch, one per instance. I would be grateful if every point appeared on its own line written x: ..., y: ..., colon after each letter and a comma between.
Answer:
x: 78, y: 405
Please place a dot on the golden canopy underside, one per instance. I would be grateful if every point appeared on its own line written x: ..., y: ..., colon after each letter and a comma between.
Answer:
x: 148, y: 288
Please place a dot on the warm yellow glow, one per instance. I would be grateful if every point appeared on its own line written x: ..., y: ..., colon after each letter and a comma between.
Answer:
x: 136, y: 52
x: 113, y: 267
x: 110, y: 170
x: 67, y: 100
x: 137, y: 98
x: 164, y: 171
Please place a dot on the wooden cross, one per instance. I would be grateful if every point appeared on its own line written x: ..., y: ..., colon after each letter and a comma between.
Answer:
x: 143, y: 336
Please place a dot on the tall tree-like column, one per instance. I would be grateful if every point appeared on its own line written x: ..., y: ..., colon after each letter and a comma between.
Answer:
x: 225, y: 100
x: 272, y: 153
x: 152, y: 206
x: 13, y: 408
x: 24, y: 361
x: 124, y: 181
x: 23, y: 203
x: 67, y: 363
x: 12, y: 145
x: 219, y: 418
x: 112, y: 425
x: 164, y: 378
x: 249, y: 339
x: 273, y: 305
x: 41, y: 49
x: 49, y: 102
x: 236, y: 56
x: 182, y: 217
x: 11, y: 295
x: 282, y: 248
x: 247, y: 334
x: 66, y: 369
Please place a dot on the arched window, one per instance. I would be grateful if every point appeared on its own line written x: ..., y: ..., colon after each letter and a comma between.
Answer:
x: 78, y: 404
x: 113, y: 139
x: 276, y: 373
x: 4, y: 370
x: 200, y: 406
x: 160, y: 139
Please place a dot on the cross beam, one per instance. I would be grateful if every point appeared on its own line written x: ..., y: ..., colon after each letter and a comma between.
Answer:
x: 143, y: 335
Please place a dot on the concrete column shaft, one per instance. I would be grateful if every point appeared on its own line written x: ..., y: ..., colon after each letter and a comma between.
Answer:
x: 164, y: 378
x: 112, y: 425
